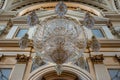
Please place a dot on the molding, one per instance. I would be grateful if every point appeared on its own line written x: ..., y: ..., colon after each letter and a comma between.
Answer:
x: 39, y: 72
x: 26, y: 3
x: 105, y: 54
x: 113, y: 43
x: 14, y: 53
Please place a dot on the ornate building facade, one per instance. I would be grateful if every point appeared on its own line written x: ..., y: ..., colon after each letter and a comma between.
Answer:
x: 59, y: 39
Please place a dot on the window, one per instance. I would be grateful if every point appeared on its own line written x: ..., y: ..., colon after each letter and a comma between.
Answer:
x: 97, y: 33
x: 21, y: 32
x: 114, y: 74
x: 2, y: 27
x: 5, y: 73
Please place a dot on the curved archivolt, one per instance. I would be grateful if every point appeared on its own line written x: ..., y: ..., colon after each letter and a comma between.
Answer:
x: 84, y: 75
x: 70, y: 5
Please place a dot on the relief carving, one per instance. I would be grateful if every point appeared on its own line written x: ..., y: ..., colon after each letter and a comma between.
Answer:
x: 97, y: 58
x: 22, y: 58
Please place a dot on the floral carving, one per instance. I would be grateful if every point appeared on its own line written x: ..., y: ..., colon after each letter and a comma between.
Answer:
x: 22, y: 58
x: 97, y: 58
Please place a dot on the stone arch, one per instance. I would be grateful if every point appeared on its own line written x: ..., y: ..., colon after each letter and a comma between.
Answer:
x: 67, y: 67
x: 28, y: 9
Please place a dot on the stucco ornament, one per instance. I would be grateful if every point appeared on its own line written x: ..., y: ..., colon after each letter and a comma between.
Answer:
x: 89, y: 21
x: 59, y: 41
x: 24, y: 41
x: 61, y: 9
x: 95, y: 45
x: 32, y: 19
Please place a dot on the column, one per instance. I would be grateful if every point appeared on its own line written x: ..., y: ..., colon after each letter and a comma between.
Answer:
x: 100, y: 69
x: 101, y: 72
x: 20, y: 67
x: 18, y: 72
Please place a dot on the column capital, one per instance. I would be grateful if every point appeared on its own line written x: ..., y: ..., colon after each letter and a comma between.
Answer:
x: 97, y: 58
x: 22, y: 58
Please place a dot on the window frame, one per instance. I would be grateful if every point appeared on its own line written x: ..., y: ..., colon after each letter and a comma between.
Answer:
x: 99, y: 28
x: 112, y: 67
x: 18, y: 29
x: 9, y: 73
x: 3, y: 25
x: 7, y: 66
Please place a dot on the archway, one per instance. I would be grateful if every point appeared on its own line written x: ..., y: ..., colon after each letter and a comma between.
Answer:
x: 84, y: 75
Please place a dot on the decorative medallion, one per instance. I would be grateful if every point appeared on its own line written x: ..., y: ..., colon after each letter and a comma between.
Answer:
x: 95, y: 45
x: 61, y: 9
x: 59, y: 41
x: 24, y: 41
x: 89, y: 21
x: 32, y: 19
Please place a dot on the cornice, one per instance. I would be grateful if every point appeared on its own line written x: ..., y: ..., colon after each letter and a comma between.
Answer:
x: 113, y: 16
x: 14, y: 43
